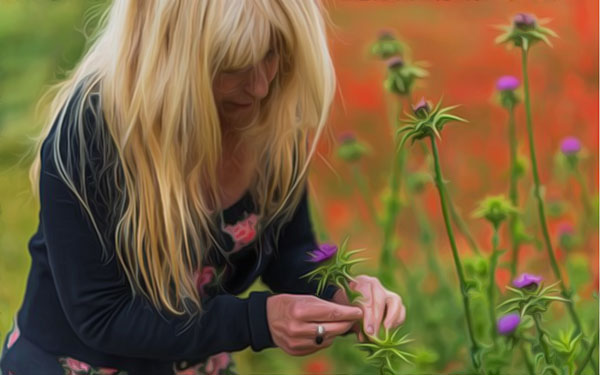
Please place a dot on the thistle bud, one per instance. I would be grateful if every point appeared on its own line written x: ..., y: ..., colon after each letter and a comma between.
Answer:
x: 422, y: 108
x: 524, y: 21
x: 508, y: 324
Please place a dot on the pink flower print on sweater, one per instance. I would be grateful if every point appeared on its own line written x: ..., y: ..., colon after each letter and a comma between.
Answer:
x: 202, y: 277
x: 243, y: 232
x: 216, y: 364
x: 73, y: 366
x: 14, y: 335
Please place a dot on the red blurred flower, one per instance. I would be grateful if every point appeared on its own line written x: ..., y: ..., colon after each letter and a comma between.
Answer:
x: 317, y: 366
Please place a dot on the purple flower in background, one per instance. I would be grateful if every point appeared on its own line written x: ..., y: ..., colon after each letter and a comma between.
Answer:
x: 508, y: 323
x: 527, y: 280
x: 324, y: 252
x: 565, y: 229
x: 524, y: 21
x: 385, y: 34
x: 507, y: 83
x: 570, y: 146
x: 395, y: 62
x: 346, y: 136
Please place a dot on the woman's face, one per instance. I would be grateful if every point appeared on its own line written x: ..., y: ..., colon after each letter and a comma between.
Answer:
x: 238, y: 93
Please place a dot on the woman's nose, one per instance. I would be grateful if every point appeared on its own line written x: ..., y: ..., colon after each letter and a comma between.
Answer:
x: 258, y: 85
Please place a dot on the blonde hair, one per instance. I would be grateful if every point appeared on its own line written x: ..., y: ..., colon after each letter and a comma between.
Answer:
x: 150, y: 67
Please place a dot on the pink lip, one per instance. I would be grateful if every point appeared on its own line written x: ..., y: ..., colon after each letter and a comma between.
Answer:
x: 242, y: 104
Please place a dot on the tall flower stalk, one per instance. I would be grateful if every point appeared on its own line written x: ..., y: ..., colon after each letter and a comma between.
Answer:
x: 507, y: 85
x: 523, y: 33
x: 570, y: 148
x: 400, y: 79
x: 352, y: 150
x: 495, y: 209
x: 428, y: 123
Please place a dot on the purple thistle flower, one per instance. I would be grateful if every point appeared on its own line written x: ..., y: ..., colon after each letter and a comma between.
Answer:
x: 527, y: 281
x: 508, y: 323
x: 507, y: 83
x: 395, y: 62
x: 524, y: 21
x: 422, y: 108
x: 346, y: 136
x: 324, y: 252
x: 570, y: 146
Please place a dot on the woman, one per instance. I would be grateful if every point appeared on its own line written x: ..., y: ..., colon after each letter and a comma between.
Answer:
x: 171, y: 175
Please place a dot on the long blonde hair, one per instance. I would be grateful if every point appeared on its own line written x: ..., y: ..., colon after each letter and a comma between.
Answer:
x: 150, y: 68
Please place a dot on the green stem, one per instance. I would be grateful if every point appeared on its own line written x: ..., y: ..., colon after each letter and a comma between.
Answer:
x: 426, y: 238
x: 541, y: 333
x: 352, y: 296
x: 540, y: 203
x: 513, y: 192
x: 587, y: 206
x: 363, y: 187
x: 588, y: 355
x: 462, y: 227
x: 492, y: 286
x: 461, y: 277
x: 527, y: 358
x: 388, y: 261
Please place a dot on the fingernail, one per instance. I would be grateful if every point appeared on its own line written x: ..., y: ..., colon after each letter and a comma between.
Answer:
x: 370, y: 329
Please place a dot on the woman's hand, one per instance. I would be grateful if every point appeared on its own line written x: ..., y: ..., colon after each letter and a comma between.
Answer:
x: 293, y: 321
x: 375, y: 302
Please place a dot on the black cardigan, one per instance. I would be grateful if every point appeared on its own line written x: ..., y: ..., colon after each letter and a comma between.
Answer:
x: 75, y: 305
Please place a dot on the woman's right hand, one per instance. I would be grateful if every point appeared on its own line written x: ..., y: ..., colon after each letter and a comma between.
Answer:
x: 293, y: 321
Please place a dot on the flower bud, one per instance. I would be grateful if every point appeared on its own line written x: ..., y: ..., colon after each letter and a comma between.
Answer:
x: 495, y: 209
x: 386, y: 45
x: 324, y: 252
x: 422, y: 108
x: 508, y: 324
x: 395, y: 62
x: 524, y: 21
x: 524, y: 31
x: 570, y: 146
x: 350, y: 149
x: 507, y: 82
x: 527, y: 281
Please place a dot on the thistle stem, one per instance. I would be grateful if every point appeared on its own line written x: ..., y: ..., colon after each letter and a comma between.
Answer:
x: 457, y: 262
x: 462, y: 227
x: 388, y: 262
x: 588, y: 355
x: 527, y: 359
x: 513, y: 192
x: 426, y: 237
x: 541, y: 333
x: 492, y: 286
x: 587, y: 206
x: 363, y: 187
x: 540, y: 202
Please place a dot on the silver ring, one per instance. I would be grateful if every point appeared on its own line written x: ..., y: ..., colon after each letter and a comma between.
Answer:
x: 320, y: 334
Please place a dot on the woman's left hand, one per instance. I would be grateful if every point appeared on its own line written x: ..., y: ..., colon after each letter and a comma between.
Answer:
x: 378, y: 304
